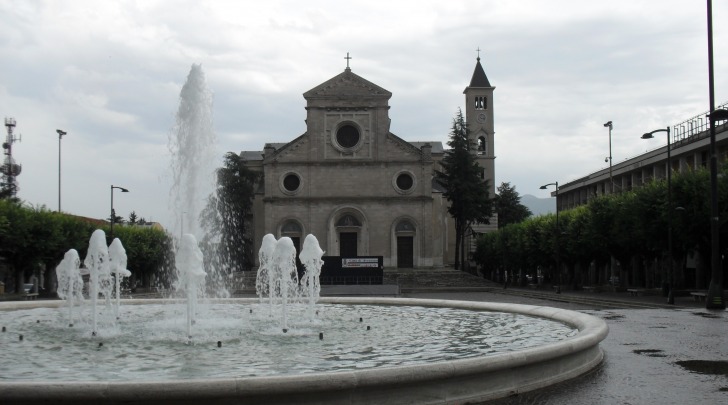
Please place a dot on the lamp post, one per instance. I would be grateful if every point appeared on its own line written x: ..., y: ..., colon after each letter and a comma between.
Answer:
x: 611, y: 181
x: 113, y: 215
x: 558, y: 233
x: 670, y: 294
x: 714, y: 299
x: 60, y: 135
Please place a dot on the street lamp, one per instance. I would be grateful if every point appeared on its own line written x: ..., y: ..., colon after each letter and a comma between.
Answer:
x: 113, y: 215
x: 611, y: 182
x: 714, y: 299
x: 60, y: 135
x: 670, y: 294
x: 558, y: 261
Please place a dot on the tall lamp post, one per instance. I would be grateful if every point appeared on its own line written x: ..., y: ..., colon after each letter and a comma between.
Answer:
x: 60, y: 135
x: 113, y: 215
x: 611, y: 181
x: 670, y: 294
x: 715, y: 299
x: 558, y: 233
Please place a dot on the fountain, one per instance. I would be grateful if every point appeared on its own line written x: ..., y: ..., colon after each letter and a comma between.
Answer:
x: 225, y: 350
x: 355, y: 350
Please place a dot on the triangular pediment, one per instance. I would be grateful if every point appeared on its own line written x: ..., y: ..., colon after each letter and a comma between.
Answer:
x: 294, y: 150
x: 400, y: 147
x: 347, y: 84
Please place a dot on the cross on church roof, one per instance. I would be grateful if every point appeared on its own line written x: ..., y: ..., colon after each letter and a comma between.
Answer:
x: 347, y: 61
x: 478, y: 53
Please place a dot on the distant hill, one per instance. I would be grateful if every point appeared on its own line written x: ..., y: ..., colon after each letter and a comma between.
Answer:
x: 539, y: 206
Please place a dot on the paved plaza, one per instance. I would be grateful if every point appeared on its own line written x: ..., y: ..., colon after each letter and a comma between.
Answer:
x: 652, y: 355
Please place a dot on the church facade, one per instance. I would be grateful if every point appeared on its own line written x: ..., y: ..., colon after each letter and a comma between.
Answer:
x: 360, y: 189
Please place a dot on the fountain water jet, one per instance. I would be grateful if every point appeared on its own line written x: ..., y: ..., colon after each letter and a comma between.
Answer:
x: 97, y: 264
x: 117, y: 261
x: 264, y: 285
x: 190, y: 275
x: 70, y: 282
x: 310, y: 284
x: 192, y: 145
x: 284, y: 275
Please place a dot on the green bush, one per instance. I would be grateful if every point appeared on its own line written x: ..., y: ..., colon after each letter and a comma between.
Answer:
x: 35, y: 238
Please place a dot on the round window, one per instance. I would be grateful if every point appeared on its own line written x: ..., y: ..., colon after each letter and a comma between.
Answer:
x: 291, y: 182
x: 347, y: 136
x: 404, y: 181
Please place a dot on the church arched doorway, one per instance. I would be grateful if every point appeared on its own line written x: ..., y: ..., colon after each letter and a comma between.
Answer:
x: 348, y: 228
x: 405, y: 234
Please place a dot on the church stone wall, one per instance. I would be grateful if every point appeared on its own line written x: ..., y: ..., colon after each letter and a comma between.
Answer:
x: 348, y: 180
x: 378, y: 217
x: 342, y: 175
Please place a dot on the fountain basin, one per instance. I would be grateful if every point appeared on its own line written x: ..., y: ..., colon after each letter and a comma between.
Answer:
x: 456, y: 381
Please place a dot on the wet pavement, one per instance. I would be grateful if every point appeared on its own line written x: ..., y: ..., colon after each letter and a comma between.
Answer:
x: 658, y: 355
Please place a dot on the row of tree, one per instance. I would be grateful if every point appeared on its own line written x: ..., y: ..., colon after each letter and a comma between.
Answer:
x: 631, y: 226
x: 34, y: 239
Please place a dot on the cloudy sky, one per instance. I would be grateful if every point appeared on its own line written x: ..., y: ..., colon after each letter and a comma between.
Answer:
x: 110, y: 74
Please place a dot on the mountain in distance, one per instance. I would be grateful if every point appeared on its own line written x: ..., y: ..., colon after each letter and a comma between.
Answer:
x: 539, y: 206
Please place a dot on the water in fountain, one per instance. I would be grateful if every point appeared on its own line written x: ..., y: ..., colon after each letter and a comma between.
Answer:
x: 192, y: 144
x: 284, y: 276
x: 150, y: 341
x: 264, y: 285
x: 97, y: 264
x: 117, y: 267
x: 310, y: 284
x: 70, y: 282
x: 190, y: 275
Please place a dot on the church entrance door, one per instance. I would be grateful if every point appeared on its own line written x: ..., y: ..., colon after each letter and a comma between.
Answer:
x: 347, y: 244
x: 405, y: 252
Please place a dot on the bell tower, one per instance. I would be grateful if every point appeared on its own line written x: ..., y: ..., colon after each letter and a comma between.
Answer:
x: 479, y: 117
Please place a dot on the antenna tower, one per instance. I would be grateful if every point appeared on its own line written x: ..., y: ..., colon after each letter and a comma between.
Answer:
x: 9, y: 169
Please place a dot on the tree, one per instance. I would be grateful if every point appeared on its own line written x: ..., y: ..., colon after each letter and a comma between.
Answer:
x: 466, y: 191
x: 118, y: 219
x: 508, y: 206
x: 227, y: 216
x: 133, y: 218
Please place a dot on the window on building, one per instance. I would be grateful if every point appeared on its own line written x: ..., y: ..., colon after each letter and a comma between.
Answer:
x: 481, y: 103
x: 347, y: 136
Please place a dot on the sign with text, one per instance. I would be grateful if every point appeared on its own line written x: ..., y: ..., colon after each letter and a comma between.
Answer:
x: 352, y: 270
x: 359, y: 262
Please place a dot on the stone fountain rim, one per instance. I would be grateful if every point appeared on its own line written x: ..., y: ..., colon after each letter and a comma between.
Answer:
x: 527, y: 369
